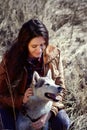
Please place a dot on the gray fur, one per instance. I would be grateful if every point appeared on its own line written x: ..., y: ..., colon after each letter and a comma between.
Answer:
x: 38, y: 104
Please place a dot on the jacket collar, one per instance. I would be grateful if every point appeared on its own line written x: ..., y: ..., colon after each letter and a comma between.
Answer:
x: 50, y: 53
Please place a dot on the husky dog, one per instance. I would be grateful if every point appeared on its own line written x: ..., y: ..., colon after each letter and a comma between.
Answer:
x: 45, y: 91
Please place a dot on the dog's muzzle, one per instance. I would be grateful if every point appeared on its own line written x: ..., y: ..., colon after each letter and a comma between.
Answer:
x: 51, y: 96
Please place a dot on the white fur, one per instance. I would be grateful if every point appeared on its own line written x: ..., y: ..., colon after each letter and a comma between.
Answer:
x: 38, y: 104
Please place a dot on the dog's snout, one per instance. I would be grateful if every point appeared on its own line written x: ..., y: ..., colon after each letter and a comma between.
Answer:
x: 59, y: 89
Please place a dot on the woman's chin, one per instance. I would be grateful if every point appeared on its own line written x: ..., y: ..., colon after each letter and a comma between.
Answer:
x: 38, y: 56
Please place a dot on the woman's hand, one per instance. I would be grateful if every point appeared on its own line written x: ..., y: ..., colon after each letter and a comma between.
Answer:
x: 28, y: 93
x: 42, y: 121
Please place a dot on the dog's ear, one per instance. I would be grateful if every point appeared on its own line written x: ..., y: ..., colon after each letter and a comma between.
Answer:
x: 49, y: 74
x: 35, y: 77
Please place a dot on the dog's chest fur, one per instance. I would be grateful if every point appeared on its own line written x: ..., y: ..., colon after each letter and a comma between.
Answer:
x: 38, y: 107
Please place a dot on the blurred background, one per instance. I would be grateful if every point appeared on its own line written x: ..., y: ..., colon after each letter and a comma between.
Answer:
x: 66, y: 21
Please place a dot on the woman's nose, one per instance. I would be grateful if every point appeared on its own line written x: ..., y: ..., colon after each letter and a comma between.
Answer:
x: 39, y: 49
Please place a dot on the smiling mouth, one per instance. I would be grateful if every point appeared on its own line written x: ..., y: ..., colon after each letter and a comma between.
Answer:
x: 51, y: 96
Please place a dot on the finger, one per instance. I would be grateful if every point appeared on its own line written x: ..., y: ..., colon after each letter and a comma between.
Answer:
x: 39, y: 123
x: 28, y: 95
x: 37, y: 126
x: 29, y: 89
x: 29, y: 92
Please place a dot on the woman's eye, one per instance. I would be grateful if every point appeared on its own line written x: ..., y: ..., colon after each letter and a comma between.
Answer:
x: 34, y: 46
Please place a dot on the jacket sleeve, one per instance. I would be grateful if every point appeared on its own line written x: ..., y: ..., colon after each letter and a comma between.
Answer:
x: 6, y: 98
x: 57, y: 75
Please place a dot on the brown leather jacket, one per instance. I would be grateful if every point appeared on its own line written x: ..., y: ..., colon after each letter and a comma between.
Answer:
x: 52, y: 60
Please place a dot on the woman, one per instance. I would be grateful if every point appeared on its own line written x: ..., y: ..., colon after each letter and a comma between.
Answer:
x: 30, y: 52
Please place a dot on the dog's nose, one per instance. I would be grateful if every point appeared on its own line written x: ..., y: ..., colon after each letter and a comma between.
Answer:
x: 59, y: 89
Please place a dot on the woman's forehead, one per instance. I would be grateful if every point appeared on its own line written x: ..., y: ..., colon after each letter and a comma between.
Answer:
x: 37, y: 40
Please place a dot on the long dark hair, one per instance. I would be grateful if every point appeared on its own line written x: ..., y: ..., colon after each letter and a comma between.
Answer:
x: 15, y: 57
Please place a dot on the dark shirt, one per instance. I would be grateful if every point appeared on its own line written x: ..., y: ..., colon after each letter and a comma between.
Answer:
x: 34, y: 64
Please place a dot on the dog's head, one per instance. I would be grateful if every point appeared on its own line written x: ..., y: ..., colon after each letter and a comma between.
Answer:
x: 45, y: 87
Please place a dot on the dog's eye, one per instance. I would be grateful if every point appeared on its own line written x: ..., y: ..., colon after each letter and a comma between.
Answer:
x: 47, y: 84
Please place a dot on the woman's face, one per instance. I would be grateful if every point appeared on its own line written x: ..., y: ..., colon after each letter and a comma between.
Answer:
x: 36, y: 46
